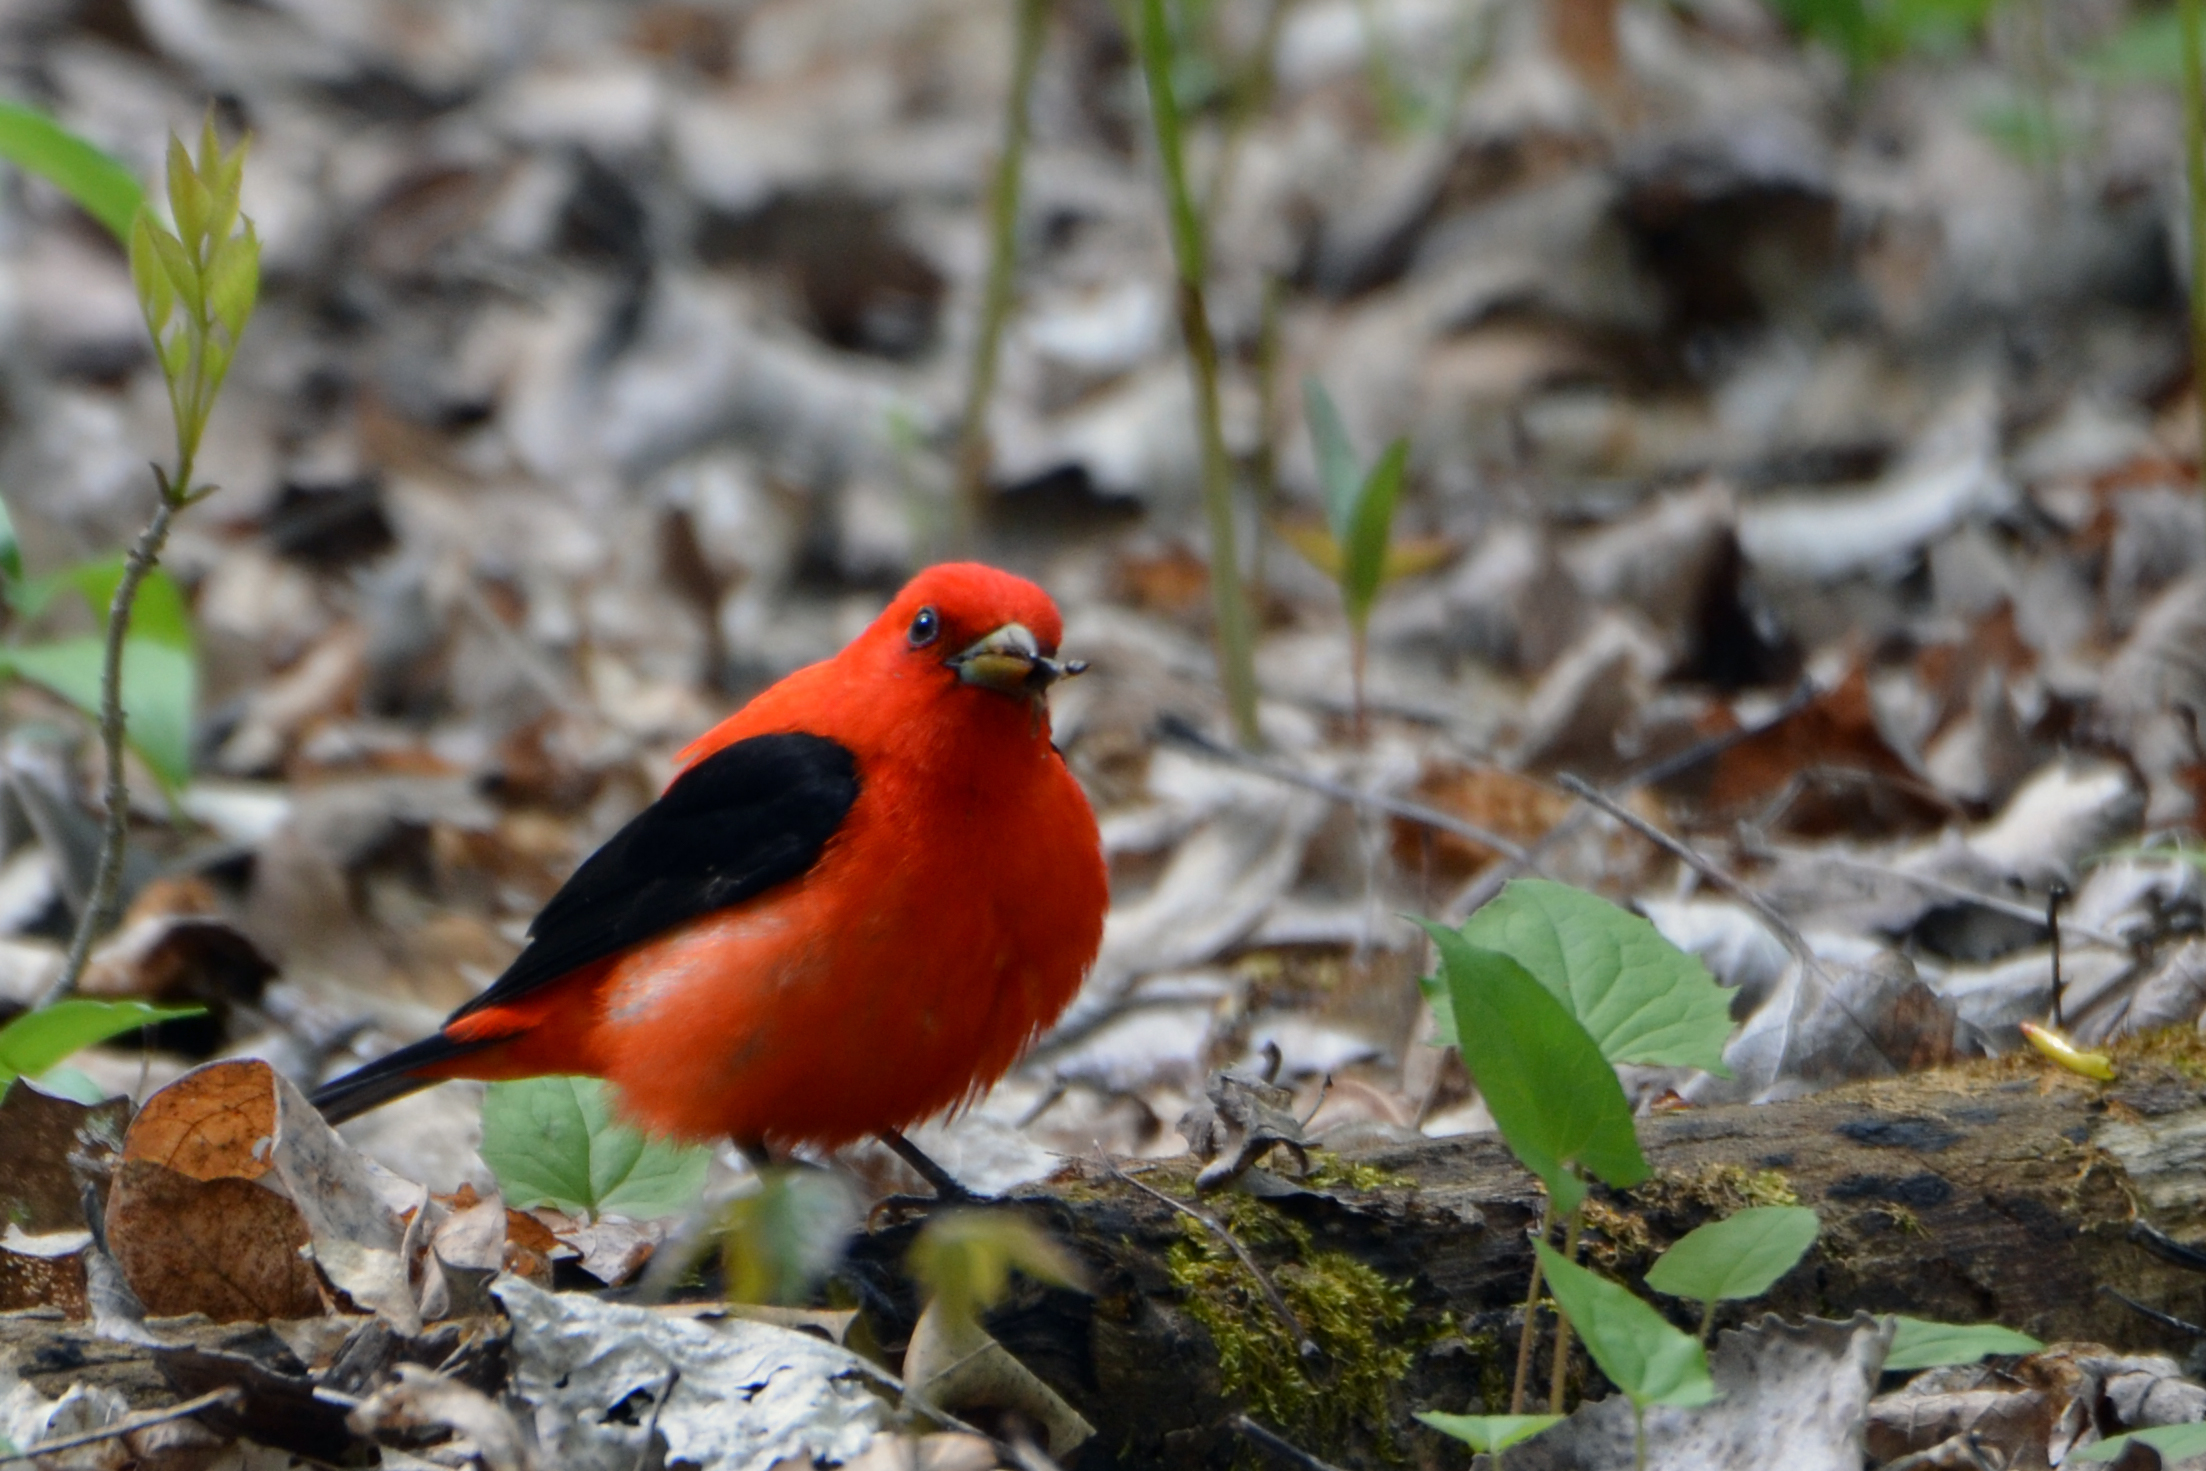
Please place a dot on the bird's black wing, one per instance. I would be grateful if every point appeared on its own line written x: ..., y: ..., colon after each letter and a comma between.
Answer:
x: 755, y: 814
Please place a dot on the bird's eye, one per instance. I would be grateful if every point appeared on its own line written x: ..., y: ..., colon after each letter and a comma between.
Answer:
x: 926, y: 625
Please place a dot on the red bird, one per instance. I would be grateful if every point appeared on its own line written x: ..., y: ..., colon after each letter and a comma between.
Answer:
x: 861, y: 897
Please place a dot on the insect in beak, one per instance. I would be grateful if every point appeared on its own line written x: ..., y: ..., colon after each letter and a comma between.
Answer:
x: 1010, y: 661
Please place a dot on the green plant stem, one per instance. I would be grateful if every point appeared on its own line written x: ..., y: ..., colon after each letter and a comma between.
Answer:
x: 1531, y: 1320
x: 974, y: 452
x: 107, y: 879
x: 2194, y: 140
x: 1359, y: 643
x: 1573, y: 1228
x: 1707, y: 1320
x: 1236, y: 648
x: 1639, y: 1436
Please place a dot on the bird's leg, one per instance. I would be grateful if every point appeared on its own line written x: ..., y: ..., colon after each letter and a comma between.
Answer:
x: 946, y: 1186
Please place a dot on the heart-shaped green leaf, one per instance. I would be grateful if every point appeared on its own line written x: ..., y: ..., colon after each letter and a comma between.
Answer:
x: 555, y: 1141
x: 1553, y: 1096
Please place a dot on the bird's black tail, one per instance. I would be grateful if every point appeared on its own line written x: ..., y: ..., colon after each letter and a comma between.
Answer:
x: 393, y: 1075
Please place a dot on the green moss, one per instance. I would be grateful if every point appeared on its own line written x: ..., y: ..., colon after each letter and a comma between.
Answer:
x: 1328, y: 1171
x: 1356, y: 1317
x: 1722, y: 1190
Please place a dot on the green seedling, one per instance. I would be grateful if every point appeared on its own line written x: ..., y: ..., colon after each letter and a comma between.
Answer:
x: 197, y: 285
x: 1642, y: 999
x: 964, y: 1259
x: 782, y: 1238
x: 37, y: 1040
x: 1229, y: 601
x: 557, y: 1142
x: 1492, y: 1434
x: 1359, y: 514
x: 1742, y: 1255
x: 1917, y: 1344
x: 2173, y: 1442
x: 1650, y: 1361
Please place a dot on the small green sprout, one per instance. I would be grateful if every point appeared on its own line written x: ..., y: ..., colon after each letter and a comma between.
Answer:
x: 1359, y: 514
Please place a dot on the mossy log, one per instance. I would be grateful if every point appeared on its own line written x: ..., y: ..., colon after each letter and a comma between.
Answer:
x: 1994, y: 1193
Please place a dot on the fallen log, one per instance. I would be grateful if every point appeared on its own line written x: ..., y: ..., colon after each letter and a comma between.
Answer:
x: 1998, y: 1192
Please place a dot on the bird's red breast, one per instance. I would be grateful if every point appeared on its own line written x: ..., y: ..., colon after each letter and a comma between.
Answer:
x: 919, y: 884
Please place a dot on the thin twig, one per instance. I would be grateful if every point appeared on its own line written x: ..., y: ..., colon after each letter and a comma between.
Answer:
x: 2053, y: 897
x: 128, y: 1425
x: 2165, y: 1320
x: 1173, y: 728
x: 1280, y: 1446
x: 1946, y: 887
x: 1745, y: 893
x: 651, y: 1426
x: 1304, y: 1345
x: 1811, y: 964
x: 1490, y: 882
x: 107, y: 879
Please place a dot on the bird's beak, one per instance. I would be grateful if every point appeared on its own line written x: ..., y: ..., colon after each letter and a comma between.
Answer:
x: 1010, y: 662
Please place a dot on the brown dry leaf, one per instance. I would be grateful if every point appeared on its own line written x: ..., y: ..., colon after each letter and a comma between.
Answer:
x: 38, y: 1192
x: 1502, y: 802
x: 216, y: 1122
x: 243, y: 1123
x: 226, y: 1247
x: 179, y: 957
x: 1830, y: 767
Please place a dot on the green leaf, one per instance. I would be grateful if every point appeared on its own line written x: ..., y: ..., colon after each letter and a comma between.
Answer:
x: 156, y: 293
x: 1739, y: 1256
x: 158, y: 688
x: 74, y: 1084
x: 37, y: 1040
x: 1336, y: 458
x: 2173, y: 1442
x: 1644, y: 1356
x: 106, y: 190
x: 233, y: 280
x: 965, y: 1258
x: 555, y: 1141
x: 1643, y: 999
x: 1363, y: 569
x: 222, y: 174
x: 1491, y: 1433
x: 182, y: 273
x: 1553, y: 1096
x: 1919, y: 1344
x: 11, y: 556
x: 786, y: 1235
x: 160, y: 666
x: 190, y: 205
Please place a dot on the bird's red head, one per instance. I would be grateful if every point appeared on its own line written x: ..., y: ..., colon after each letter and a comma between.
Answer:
x: 991, y: 629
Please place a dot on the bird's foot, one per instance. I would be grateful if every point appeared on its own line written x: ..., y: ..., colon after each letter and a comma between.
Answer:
x: 947, y: 1189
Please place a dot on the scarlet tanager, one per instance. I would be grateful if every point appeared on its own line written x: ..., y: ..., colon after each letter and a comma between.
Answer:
x: 860, y: 898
